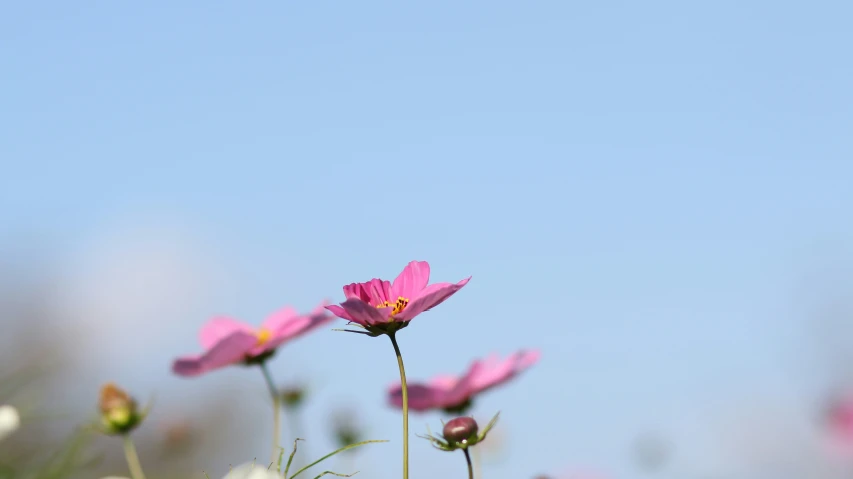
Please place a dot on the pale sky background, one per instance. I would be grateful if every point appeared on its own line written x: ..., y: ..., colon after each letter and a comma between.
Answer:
x: 650, y: 192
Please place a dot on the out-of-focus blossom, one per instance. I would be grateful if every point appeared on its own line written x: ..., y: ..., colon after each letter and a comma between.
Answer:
x: 383, y: 307
x: 839, y: 422
x: 227, y: 341
x: 346, y: 429
x: 455, y: 393
x: 252, y: 471
x: 119, y: 413
x: 10, y: 421
x: 293, y: 396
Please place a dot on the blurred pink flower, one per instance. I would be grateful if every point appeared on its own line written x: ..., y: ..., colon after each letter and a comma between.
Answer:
x: 454, y: 393
x: 840, y: 424
x: 227, y: 341
x: 378, y: 302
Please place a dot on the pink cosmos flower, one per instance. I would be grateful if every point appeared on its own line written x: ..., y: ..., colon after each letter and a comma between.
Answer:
x: 377, y: 303
x: 452, y: 393
x: 227, y: 341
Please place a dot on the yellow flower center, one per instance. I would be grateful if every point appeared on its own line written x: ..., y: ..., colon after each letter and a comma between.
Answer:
x: 263, y: 335
x: 399, y: 306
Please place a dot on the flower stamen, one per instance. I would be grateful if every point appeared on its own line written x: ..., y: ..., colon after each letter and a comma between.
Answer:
x: 263, y: 335
x: 398, y: 306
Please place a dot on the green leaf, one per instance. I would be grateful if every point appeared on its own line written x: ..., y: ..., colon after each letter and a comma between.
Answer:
x: 336, y: 474
x: 290, y: 459
x: 318, y: 461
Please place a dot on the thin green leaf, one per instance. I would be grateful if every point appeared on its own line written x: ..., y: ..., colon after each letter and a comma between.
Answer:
x: 318, y: 461
x: 280, y: 457
x: 336, y: 474
x: 290, y: 459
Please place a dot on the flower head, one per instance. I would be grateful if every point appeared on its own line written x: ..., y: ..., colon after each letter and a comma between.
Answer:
x: 383, y: 307
x: 119, y: 412
x: 293, y: 396
x: 226, y: 341
x: 10, y: 421
x: 455, y: 393
x: 345, y: 428
x: 461, y: 433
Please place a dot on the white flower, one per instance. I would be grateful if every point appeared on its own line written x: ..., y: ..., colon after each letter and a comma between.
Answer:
x: 252, y: 471
x: 10, y: 421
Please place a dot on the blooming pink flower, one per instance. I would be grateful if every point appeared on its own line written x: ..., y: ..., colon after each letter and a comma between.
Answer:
x: 227, y: 341
x: 454, y: 393
x: 378, y: 302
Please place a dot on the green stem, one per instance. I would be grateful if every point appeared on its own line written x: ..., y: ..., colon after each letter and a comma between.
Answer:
x: 478, y: 470
x: 468, y: 460
x: 405, y: 406
x: 276, y: 413
x: 132, y: 458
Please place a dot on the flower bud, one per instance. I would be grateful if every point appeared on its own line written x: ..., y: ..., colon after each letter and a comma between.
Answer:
x: 461, y: 430
x: 119, y: 413
x: 292, y: 397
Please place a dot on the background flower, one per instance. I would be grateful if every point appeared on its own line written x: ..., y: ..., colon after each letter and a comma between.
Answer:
x: 227, y: 341
x: 448, y: 392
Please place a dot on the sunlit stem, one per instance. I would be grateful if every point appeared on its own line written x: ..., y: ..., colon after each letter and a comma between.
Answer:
x: 405, y: 389
x: 468, y: 460
x: 276, y: 413
x: 132, y: 458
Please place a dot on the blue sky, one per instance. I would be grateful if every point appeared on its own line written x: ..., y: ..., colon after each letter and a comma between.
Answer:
x: 635, y: 187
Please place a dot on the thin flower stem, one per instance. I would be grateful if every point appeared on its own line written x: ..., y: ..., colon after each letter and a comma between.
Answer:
x: 468, y: 460
x: 276, y: 413
x: 478, y: 463
x: 405, y: 389
x: 132, y: 458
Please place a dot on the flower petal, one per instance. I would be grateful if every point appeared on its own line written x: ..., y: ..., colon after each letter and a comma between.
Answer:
x: 299, y: 326
x: 218, y: 328
x: 486, y: 374
x: 230, y: 350
x: 341, y: 312
x: 422, y: 397
x: 430, y: 297
x: 280, y: 319
x: 356, y: 290
x: 365, y: 314
x: 411, y: 281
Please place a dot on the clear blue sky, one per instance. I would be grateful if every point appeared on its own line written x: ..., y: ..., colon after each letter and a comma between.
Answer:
x: 634, y: 186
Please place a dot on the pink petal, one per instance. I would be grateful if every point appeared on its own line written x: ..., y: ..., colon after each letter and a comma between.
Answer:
x: 411, y: 281
x: 430, y: 297
x: 218, y: 328
x: 229, y: 350
x: 379, y: 291
x: 356, y: 290
x: 422, y: 397
x: 280, y: 319
x: 365, y: 314
x: 341, y: 313
x: 484, y: 375
x: 299, y: 326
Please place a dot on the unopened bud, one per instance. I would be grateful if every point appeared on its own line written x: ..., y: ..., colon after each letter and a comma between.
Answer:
x: 119, y: 413
x: 461, y: 430
x: 293, y: 396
